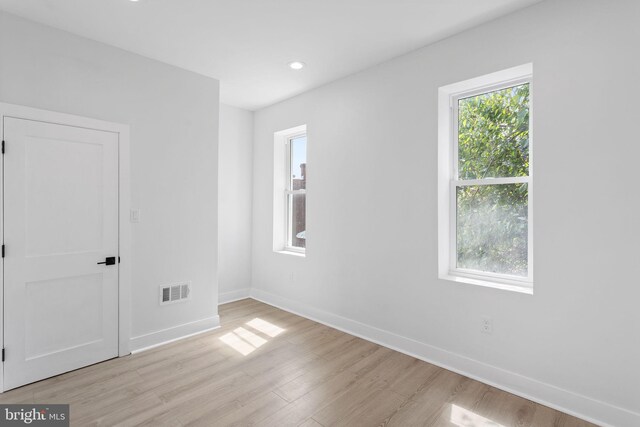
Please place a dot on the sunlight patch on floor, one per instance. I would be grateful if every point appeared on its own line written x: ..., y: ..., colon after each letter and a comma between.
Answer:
x: 246, y: 342
x: 465, y: 418
x: 265, y: 327
x: 250, y: 337
x: 237, y: 343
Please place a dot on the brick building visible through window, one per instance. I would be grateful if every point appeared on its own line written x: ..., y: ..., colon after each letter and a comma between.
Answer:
x: 299, y: 209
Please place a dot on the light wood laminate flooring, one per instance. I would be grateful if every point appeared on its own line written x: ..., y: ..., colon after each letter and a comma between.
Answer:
x: 268, y: 367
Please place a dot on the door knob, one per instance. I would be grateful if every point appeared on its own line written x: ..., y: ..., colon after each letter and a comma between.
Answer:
x: 109, y: 261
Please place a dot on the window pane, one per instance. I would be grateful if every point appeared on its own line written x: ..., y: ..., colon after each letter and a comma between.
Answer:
x: 298, y: 162
x: 492, y: 228
x: 297, y: 219
x: 493, y: 134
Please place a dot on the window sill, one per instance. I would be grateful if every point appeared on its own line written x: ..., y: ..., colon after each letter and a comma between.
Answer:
x: 294, y: 253
x: 488, y: 283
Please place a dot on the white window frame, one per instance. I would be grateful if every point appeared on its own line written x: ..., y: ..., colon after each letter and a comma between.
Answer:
x: 448, y: 180
x: 283, y: 209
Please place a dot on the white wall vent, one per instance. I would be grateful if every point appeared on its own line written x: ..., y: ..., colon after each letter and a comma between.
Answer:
x: 175, y: 293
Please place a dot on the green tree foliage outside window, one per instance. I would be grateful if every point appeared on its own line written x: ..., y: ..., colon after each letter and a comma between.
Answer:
x: 492, y: 220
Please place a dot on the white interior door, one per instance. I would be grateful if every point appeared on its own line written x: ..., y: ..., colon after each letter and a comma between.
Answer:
x: 60, y: 222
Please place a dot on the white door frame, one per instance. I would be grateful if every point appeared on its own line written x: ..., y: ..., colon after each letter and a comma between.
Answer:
x: 124, y: 200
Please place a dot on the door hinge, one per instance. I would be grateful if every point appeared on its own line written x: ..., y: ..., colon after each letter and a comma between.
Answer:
x: 2, y: 251
x: 2, y: 147
x: 3, y: 354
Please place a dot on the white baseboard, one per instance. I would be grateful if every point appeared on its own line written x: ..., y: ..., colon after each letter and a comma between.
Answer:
x: 165, y: 336
x: 234, y: 295
x: 583, y: 407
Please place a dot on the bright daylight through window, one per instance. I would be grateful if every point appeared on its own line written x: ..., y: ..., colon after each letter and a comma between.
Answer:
x: 296, y: 192
x: 489, y: 182
x: 290, y: 191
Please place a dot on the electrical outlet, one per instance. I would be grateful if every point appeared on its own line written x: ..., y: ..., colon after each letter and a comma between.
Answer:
x: 486, y: 325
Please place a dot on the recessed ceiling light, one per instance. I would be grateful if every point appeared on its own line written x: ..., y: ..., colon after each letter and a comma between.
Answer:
x: 296, y: 65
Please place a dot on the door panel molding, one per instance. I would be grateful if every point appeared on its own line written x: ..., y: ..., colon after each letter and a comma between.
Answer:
x: 124, y: 201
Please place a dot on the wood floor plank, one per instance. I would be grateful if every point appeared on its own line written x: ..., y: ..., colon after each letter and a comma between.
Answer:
x: 318, y: 396
x: 250, y: 414
x: 161, y: 415
x: 545, y: 416
x: 366, y: 403
x: 310, y: 423
x: 317, y: 376
x: 268, y: 367
x: 426, y: 406
x: 21, y: 395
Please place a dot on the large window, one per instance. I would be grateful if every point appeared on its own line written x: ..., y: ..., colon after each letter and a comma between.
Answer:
x: 290, y: 191
x: 488, y: 180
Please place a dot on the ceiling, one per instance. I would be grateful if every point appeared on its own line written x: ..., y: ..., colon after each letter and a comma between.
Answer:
x: 247, y: 44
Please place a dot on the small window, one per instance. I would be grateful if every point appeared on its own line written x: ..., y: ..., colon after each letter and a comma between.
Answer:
x: 485, y: 175
x: 290, y: 191
x: 296, y: 192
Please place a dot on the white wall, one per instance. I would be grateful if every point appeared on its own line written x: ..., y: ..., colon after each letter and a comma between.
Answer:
x: 371, y: 264
x: 235, y: 183
x: 173, y: 116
